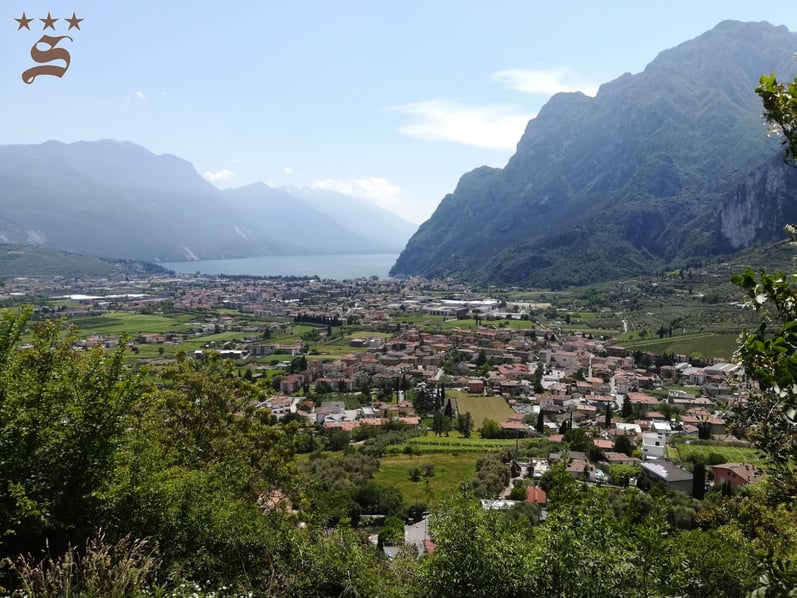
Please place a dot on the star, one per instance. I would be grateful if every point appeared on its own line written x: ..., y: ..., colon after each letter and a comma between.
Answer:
x: 23, y: 22
x: 74, y: 22
x: 48, y: 22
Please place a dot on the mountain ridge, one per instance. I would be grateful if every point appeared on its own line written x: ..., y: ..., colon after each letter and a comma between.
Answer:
x: 119, y: 200
x: 611, y: 185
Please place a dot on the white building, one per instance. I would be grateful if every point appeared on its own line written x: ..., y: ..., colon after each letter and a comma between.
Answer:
x: 654, y: 445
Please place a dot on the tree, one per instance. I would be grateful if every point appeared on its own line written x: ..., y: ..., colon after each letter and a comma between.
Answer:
x: 767, y: 354
x: 465, y: 424
x: 477, y: 553
x: 61, y: 419
x: 627, y: 410
x: 490, y: 429
x: 623, y: 444
x: 440, y: 423
x: 536, y: 378
x: 608, y: 421
x: 780, y: 110
x: 195, y: 445
x: 540, y: 422
x: 392, y: 531
x: 699, y: 481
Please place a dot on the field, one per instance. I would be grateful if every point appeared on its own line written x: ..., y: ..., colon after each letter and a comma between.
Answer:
x: 114, y: 323
x: 481, y: 408
x: 684, y: 453
x: 455, y: 442
x: 449, y: 470
x: 701, y: 345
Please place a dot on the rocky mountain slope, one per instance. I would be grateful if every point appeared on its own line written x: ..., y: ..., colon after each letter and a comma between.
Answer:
x: 661, y: 165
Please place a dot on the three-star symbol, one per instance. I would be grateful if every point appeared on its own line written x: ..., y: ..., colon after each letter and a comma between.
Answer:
x: 49, y: 22
x: 23, y: 22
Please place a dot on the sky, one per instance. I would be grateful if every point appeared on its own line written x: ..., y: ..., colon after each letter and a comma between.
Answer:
x: 389, y: 101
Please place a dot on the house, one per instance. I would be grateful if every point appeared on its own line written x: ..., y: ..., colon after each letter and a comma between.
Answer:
x: 536, y: 495
x: 654, y: 445
x: 614, y: 458
x: 290, y: 384
x: 736, y: 474
x: 476, y: 386
x: 330, y: 408
x: 674, y: 477
x: 280, y: 406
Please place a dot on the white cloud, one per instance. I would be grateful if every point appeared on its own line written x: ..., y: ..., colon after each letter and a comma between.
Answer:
x: 377, y: 190
x: 287, y: 170
x: 218, y: 177
x: 544, y: 81
x: 490, y: 126
x: 140, y: 95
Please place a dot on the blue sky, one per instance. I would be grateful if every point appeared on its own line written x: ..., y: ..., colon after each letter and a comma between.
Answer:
x: 388, y: 101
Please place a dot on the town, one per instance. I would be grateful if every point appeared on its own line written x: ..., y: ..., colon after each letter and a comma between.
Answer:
x: 343, y: 355
x: 392, y: 405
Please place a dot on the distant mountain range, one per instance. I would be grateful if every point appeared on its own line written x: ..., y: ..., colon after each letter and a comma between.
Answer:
x: 661, y: 166
x: 118, y: 200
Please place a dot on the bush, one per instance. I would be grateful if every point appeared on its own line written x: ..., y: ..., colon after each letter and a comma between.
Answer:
x: 126, y: 568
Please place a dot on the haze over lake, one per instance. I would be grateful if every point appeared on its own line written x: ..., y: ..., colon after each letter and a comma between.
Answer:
x: 337, y: 267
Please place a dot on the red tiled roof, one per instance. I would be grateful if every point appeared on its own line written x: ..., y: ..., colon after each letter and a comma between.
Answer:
x: 536, y: 495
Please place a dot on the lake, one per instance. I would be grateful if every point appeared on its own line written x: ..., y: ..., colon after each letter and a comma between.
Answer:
x: 336, y: 267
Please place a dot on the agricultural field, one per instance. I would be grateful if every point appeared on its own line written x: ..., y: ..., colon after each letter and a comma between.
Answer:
x: 713, y: 453
x: 702, y: 345
x: 481, y: 408
x: 113, y: 323
x: 455, y: 442
x: 449, y: 471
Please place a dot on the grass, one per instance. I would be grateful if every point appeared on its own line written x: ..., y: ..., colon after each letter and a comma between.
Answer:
x: 481, y: 408
x: 455, y: 442
x: 114, y: 323
x: 700, y: 345
x: 449, y: 471
x: 683, y: 453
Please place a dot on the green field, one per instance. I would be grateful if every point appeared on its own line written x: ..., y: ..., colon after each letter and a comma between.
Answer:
x: 481, y: 408
x: 455, y: 442
x: 114, y: 323
x: 704, y: 345
x: 449, y: 471
x: 683, y: 452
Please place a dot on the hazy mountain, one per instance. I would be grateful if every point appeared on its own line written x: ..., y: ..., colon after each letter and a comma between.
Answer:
x: 648, y: 171
x: 29, y: 260
x: 360, y: 217
x: 118, y: 200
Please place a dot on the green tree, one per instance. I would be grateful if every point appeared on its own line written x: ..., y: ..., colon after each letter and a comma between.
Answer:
x: 440, y: 423
x: 392, y: 531
x: 627, y: 410
x: 623, y: 444
x: 490, y: 429
x: 780, y: 110
x: 465, y: 424
x: 191, y: 468
x: 61, y: 418
x: 478, y: 553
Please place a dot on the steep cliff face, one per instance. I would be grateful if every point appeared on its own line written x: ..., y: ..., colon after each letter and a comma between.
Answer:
x: 757, y: 210
x: 607, y: 186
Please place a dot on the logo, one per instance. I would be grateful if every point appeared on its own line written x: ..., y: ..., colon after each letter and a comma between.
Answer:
x: 46, y: 49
